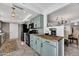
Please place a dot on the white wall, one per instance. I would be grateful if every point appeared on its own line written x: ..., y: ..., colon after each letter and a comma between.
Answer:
x: 13, y: 31
x: 60, y: 29
x: 19, y: 30
x: 59, y: 32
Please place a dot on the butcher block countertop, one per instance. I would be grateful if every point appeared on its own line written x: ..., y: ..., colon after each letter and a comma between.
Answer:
x: 50, y: 37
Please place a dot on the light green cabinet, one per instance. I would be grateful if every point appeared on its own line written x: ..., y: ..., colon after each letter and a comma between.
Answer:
x: 41, y: 21
x: 38, y: 48
x: 35, y: 22
x: 33, y: 41
x: 48, y: 49
x: 43, y: 47
x: 38, y: 21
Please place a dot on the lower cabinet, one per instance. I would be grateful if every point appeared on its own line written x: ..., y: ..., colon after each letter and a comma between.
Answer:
x: 43, y: 47
x: 48, y: 49
x: 33, y: 42
x: 38, y: 48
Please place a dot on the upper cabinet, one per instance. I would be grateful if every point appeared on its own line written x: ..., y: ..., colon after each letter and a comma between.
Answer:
x: 38, y: 21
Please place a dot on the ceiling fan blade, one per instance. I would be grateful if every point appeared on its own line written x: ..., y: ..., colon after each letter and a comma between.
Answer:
x: 18, y: 7
x: 27, y: 17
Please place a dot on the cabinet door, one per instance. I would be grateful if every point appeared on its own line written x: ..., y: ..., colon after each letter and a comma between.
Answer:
x: 33, y: 41
x: 52, y: 51
x: 35, y: 22
x: 41, y: 21
x: 44, y: 49
x: 48, y: 49
x: 38, y: 48
x: 38, y: 22
x: 31, y: 44
x: 31, y: 37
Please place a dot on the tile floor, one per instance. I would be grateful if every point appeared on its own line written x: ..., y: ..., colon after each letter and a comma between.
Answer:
x: 71, y: 50
x: 23, y: 50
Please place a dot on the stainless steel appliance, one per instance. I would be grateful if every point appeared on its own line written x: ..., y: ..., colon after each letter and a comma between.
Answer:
x: 53, y: 31
x: 31, y: 26
x: 25, y: 35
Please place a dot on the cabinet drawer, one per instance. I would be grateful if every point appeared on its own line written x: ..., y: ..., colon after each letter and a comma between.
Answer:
x: 53, y: 43
x: 48, y: 50
x: 50, y: 42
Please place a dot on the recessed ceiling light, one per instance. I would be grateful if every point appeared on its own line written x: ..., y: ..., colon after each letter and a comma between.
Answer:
x: 76, y: 23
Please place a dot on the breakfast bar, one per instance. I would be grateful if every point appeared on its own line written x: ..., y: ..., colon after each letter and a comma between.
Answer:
x: 47, y: 45
x: 51, y: 37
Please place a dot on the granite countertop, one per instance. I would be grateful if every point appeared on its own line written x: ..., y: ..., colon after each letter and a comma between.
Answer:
x: 50, y: 37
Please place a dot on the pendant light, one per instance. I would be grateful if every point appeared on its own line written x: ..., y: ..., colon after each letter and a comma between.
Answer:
x: 13, y: 14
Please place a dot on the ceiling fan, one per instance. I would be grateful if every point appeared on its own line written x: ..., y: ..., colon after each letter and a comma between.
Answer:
x: 13, y: 13
x: 18, y: 7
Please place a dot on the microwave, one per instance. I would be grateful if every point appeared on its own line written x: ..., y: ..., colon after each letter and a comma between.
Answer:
x: 31, y: 25
x: 53, y: 31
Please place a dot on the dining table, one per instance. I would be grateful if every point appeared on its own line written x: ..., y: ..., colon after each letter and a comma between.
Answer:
x: 72, y: 39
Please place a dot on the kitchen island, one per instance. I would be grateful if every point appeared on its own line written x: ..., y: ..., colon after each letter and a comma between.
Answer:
x: 51, y: 37
x: 47, y: 45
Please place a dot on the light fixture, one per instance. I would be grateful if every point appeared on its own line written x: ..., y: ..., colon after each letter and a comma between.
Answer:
x: 61, y: 20
x: 13, y: 14
x: 75, y: 23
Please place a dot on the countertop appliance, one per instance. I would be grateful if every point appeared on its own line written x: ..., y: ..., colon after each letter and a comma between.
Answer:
x: 31, y: 25
x: 53, y: 31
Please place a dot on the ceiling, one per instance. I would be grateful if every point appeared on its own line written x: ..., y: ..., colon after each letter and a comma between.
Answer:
x: 5, y: 13
x: 23, y: 10
x: 69, y: 13
x: 44, y: 8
